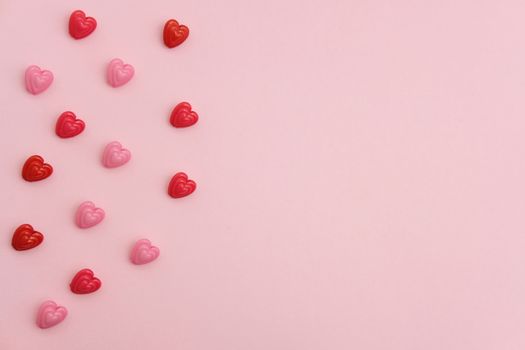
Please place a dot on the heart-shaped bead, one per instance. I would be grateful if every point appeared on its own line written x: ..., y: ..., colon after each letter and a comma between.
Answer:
x: 85, y: 282
x: 81, y: 26
x: 174, y: 34
x: 37, y: 80
x: 35, y: 169
x: 50, y: 314
x: 119, y: 73
x: 143, y: 252
x: 115, y: 155
x: 182, y: 116
x: 181, y: 186
x: 88, y: 215
x: 68, y: 125
x: 25, y: 237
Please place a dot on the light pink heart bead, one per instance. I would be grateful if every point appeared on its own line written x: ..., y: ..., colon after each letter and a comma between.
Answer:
x: 50, y: 314
x: 115, y: 155
x: 143, y: 252
x: 119, y: 73
x: 88, y: 215
x: 37, y: 80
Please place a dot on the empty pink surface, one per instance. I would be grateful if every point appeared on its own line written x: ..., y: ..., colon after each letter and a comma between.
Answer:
x: 360, y: 168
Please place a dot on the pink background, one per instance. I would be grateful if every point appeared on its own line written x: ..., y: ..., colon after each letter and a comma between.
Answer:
x: 360, y: 170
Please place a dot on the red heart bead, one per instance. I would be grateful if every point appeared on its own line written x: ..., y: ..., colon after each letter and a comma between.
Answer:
x: 182, y: 116
x: 35, y: 169
x: 85, y: 282
x: 81, y: 26
x: 175, y: 34
x: 181, y: 186
x: 68, y: 125
x: 25, y: 237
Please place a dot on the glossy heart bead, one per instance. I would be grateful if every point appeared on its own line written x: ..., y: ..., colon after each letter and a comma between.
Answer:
x: 50, y: 314
x: 143, y: 252
x: 68, y: 125
x: 119, y: 73
x: 85, y: 282
x: 25, y: 237
x: 37, y: 80
x: 81, y: 26
x: 35, y: 169
x: 88, y: 215
x: 115, y: 155
x: 181, y: 186
x: 174, y: 34
x: 182, y: 116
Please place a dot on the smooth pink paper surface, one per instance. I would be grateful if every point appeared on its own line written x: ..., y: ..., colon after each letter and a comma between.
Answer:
x: 360, y: 169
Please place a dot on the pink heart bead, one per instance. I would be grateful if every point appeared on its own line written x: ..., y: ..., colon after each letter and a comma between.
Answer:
x: 119, y: 73
x: 37, y: 80
x: 50, y: 314
x: 143, y: 252
x: 115, y: 155
x: 88, y: 215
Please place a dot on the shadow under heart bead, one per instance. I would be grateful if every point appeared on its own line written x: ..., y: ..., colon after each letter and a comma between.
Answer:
x: 88, y: 215
x: 119, y: 73
x: 37, y: 80
x: 35, y: 169
x: 50, y: 314
x: 25, y: 237
x: 85, y: 282
x: 115, y: 155
x: 143, y: 252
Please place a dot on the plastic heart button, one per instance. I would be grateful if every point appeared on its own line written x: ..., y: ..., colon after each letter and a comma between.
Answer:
x: 88, y: 215
x: 25, y: 237
x: 85, y: 282
x: 119, y: 73
x: 115, y: 155
x: 181, y: 186
x: 182, y: 116
x: 174, y: 34
x: 50, y: 314
x: 81, y: 26
x: 143, y: 252
x: 68, y: 125
x: 35, y: 169
x: 37, y: 80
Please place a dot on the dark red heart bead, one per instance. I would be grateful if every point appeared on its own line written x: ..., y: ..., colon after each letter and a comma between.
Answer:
x: 68, y: 125
x: 180, y: 186
x: 25, y: 237
x: 182, y: 116
x: 35, y: 169
x: 85, y: 282
x: 174, y: 33
x: 81, y: 26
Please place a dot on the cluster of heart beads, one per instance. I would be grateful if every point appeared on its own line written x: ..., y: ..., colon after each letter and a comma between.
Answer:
x: 114, y: 155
